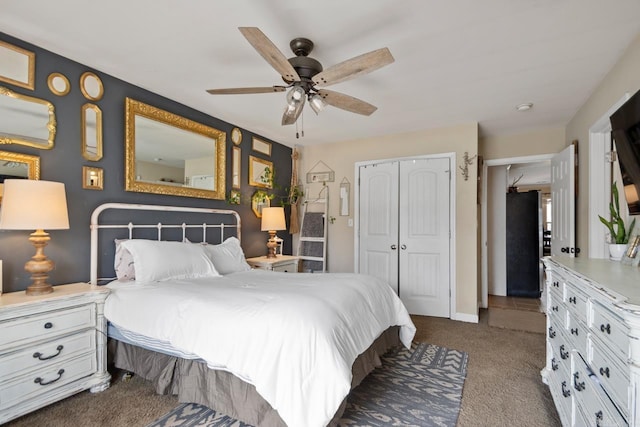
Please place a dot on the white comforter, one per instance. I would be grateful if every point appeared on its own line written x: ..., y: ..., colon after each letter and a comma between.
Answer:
x: 293, y: 336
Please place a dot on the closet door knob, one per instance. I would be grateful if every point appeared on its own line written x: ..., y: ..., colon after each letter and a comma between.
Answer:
x: 403, y: 247
x: 393, y: 247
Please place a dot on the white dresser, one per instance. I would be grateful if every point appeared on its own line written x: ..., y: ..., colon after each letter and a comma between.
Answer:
x: 51, y: 346
x: 593, y: 347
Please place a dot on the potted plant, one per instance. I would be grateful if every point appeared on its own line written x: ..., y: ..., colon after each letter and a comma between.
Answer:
x: 617, y: 230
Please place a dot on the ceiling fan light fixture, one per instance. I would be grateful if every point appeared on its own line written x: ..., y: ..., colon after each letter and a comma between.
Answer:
x: 291, y: 113
x: 317, y: 103
x: 295, y: 96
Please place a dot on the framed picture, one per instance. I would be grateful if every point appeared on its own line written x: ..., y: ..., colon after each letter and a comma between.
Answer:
x: 313, y: 177
x: 261, y: 146
x: 260, y: 172
x: 631, y: 256
x: 235, y: 167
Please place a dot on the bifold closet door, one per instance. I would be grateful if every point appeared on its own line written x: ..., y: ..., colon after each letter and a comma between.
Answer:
x: 424, y: 236
x: 378, y: 221
x: 404, y: 230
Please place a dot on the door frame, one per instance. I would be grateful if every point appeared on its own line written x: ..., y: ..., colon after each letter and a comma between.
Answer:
x: 484, y: 301
x: 452, y: 218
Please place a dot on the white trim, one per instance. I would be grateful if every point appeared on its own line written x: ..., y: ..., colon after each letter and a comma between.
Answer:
x: 484, y: 259
x: 452, y: 217
x: 600, y: 180
x: 465, y: 317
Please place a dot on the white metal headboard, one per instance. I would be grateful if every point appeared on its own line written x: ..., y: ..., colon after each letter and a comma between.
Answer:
x: 234, y: 222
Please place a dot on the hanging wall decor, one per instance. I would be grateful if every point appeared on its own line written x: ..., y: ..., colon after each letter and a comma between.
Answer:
x: 345, y: 191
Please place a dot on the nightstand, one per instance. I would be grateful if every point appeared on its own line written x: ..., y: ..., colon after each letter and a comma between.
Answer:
x: 51, y: 346
x: 282, y: 263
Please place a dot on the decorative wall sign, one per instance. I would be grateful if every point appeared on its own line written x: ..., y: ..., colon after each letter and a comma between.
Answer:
x: 345, y: 193
x: 320, y: 172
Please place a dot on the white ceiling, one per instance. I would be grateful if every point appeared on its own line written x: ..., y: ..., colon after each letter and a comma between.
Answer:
x: 456, y: 61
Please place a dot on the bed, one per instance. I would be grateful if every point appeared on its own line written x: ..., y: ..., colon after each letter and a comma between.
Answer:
x: 270, y: 349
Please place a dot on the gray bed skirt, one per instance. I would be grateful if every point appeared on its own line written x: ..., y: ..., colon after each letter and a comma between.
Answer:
x: 193, y: 381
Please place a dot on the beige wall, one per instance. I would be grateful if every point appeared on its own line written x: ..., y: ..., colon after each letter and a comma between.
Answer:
x: 342, y: 157
x: 623, y: 78
x: 545, y: 141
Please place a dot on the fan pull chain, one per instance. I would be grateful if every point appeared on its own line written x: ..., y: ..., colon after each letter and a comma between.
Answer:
x: 301, y: 133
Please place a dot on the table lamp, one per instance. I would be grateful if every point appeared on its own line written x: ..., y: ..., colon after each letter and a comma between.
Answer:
x: 35, y: 205
x: 272, y: 221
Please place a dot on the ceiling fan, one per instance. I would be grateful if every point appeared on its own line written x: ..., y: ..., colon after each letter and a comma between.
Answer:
x: 304, y: 76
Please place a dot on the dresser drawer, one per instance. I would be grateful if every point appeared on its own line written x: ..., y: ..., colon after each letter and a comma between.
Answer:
x: 577, y: 333
x: 46, y: 380
x: 49, y: 324
x: 594, y: 407
x: 560, y: 389
x: 575, y: 300
x: 41, y: 355
x: 611, y: 372
x: 610, y: 329
x: 290, y: 267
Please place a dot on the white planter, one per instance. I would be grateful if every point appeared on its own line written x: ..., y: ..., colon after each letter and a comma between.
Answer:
x: 616, y: 251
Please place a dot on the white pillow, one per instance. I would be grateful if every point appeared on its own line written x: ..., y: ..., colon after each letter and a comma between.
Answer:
x: 123, y: 262
x: 227, y: 257
x: 157, y: 260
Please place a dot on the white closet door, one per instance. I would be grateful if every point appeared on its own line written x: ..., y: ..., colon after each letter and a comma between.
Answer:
x: 378, y: 221
x: 424, y: 236
x: 563, y: 203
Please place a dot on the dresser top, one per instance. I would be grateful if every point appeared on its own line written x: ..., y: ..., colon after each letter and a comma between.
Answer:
x: 612, y: 276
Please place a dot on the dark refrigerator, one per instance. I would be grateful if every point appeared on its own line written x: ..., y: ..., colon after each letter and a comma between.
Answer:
x: 523, y: 244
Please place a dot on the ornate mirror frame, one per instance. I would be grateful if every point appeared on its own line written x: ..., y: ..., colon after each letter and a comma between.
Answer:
x: 218, y: 148
x: 17, y: 65
x: 91, y: 122
x: 48, y: 125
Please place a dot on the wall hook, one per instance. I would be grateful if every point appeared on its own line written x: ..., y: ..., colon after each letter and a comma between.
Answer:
x: 467, y: 161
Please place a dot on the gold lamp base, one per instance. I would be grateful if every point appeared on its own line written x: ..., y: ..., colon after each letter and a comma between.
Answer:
x: 272, y: 245
x: 39, y: 265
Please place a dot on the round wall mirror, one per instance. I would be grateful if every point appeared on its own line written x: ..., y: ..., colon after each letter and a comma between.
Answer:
x: 91, y: 86
x: 58, y: 84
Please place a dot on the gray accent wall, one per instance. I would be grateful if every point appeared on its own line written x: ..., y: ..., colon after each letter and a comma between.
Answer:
x: 69, y: 249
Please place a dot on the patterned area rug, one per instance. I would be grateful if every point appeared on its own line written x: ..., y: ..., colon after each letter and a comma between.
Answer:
x: 418, y: 387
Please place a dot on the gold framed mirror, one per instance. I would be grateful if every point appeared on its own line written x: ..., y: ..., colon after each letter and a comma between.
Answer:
x: 92, y: 178
x: 91, y: 86
x: 91, y: 122
x: 260, y: 172
x: 58, y: 84
x: 172, y: 155
x: 17, y: 65
x: 25, y: 120
x: 260, y: 200
x: 17, y: 165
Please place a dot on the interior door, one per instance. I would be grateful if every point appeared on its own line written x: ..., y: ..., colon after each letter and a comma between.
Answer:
x: 563, y: 199
x: 424, y: 236
x: 378, y: 221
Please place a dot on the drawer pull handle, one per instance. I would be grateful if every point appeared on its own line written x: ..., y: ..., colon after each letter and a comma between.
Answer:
x: 556, y: 284
x: 577, y: 385
x: 604, y: 372
x: 565, y: 391
x: 606, y: 329
x: 554, y: 364
x: 554, y: 308
x: 48, y: 325
x: 552, y: 333
x: 563, y: 354
x: 574, y: 331
x: 38, y: 355
x: 572, y: 300
x: 599, y: 417
x: 39, y: 380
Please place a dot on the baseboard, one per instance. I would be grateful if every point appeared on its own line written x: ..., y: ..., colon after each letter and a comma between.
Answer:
x: 465, y: 317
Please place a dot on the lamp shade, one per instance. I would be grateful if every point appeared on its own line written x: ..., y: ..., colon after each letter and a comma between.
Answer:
x: 33, y: 205
x: 273, y: 219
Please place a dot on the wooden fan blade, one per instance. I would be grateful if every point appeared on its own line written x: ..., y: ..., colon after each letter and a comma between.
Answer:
x: 270, y: 53
x: 346, y: 102
x: 246, y: 90
x: 365, y: 63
